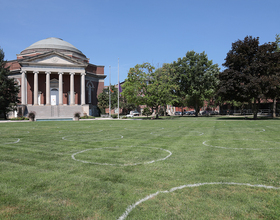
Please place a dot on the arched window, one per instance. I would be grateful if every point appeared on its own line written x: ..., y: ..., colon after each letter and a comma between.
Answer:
x: 90, y: 88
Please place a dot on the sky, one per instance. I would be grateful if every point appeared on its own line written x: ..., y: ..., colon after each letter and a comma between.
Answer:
x: 131, y: 32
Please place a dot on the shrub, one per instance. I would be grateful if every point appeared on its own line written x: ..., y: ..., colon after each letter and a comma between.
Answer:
x: 31, y: 115
x: 114, y: 116
x: 77, y: 115
x: 87, y: 117
x: 19, y: 118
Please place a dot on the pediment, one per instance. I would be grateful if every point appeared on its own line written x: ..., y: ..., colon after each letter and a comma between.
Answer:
x: 52, y: 58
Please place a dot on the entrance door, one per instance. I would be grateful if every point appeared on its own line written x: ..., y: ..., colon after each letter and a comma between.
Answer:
x: 39, y: 99
x: 54, y: 97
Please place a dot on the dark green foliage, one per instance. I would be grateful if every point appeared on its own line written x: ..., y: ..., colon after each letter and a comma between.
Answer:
x: 146, y: 111
x: 8, y: 88
x: 114, y: 116
x: 20, y: 118
x: 87, y: 117
x: 144, y: 86
x: 277, y: 41
x: 251, y: 72
x: 103, y: 98
x: 77, y: 114
x: 197, y: 78
x: 126, y: 106
x: 135, y: 86
x: 160, y: 88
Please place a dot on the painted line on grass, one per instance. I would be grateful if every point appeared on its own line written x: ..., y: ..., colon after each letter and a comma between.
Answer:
x: 263, y: 130
x: 208, y: 145
x: 131, y: 207
x: 13, y: 142
x: 111, y: 139
x: 107, y: 164
x: 200, y: 133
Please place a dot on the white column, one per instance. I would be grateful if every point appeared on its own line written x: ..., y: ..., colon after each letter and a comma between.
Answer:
x: 60, y: 88
x: 83, y: 89
x: 48, y: 96
x: 72, y: 97
x: 35, y: 92
x: 23, y: 88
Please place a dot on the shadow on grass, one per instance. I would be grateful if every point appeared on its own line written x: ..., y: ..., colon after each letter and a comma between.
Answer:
x: 246, y: 118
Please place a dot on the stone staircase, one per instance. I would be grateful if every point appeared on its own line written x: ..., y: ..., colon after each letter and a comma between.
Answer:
x: 55, y: 111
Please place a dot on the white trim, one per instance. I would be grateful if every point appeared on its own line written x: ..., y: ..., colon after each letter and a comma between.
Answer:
x: 77, y: 70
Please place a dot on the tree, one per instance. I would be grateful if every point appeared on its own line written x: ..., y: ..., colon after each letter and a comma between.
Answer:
x: 134, y: 88
x: 270, y: 72
x: 164, y: 86
x: 277, y: 41
x: 160, y: 88
x: 103, y: 98
x: 147, y: 111
x: 197, y: 77
x: 126, y: 106
x: 248, y: 70
x: 8, y: 88
x: 144, y: 86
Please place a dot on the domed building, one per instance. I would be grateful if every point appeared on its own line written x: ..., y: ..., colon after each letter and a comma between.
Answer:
x: 56, y: 80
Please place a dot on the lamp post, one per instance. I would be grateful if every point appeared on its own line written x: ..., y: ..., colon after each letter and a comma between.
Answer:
x: 109, y: 91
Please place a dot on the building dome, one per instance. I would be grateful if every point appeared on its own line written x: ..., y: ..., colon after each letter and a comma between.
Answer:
x: 53, y: 44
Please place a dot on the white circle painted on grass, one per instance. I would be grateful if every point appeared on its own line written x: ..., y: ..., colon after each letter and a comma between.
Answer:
x: 235, y: 148
x: 195, y: 133
x: 131, y: 207
x: 107, y: 164
x: 13, y: 142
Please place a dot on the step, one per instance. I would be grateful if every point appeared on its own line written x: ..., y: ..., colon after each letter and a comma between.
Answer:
x: 54, y: 119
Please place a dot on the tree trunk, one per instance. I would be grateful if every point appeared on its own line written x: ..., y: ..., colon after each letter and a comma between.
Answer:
x: 274, y: 108
x: 5, y: 115
x: 196, y: 110
x: 157, y: 113
x: 255, y: 110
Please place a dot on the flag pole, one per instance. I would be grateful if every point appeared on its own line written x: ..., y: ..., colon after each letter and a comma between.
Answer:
x: 118, y: 88
x: 109, y: 91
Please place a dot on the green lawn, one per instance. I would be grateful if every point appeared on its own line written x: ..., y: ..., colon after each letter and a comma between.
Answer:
x: 177, y: 168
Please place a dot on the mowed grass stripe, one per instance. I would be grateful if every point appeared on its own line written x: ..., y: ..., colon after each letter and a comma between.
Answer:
x: 40, y: 180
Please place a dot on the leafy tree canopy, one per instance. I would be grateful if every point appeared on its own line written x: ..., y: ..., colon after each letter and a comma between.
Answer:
x: 134, y: 88
x: 160, y: 88
x: 126, y: 106
x: 277, y: 41
x: 147, y: 111
x: 103, y: 98
x: 8, y: 88
x: 197, y: 77
x: 251, y: 70
x: 144, y: 86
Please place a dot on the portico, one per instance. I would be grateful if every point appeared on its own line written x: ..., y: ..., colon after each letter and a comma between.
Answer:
x: 54, y: 84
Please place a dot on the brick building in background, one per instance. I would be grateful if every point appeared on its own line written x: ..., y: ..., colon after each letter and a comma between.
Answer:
x: 56, y: 80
